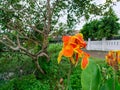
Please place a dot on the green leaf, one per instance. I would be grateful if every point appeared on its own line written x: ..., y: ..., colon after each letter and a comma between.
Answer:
x: 108, y: 85
x: 90, y: 77
x: 111, y: 84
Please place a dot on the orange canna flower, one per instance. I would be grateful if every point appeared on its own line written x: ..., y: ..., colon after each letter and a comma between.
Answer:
x: 113, y: 59
x: 72, y: 47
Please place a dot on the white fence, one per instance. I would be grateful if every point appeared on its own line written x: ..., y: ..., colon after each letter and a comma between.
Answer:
x: 103, y: 45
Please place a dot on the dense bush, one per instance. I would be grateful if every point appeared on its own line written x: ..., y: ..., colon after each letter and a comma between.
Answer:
x: 15, y: 62
x: 25, y: 83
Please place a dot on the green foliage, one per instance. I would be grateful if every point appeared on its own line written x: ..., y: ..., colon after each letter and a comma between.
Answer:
x: 107, y: 26
x: 110, y: 78
x: 75, y: 78
x: 16, y: 15
x: 25, y: 26
x: 61, y: 70
x: 15, y: 62
x: 25, y: 83
x: 90, y: 77
x: 90, y: 29
x: 99, y: 76
x: 54, y: 48
x: 111, y: 84
x: 86, y: 79
x: 7, y: 86
x: 54, y: 71
x: 79, y: 8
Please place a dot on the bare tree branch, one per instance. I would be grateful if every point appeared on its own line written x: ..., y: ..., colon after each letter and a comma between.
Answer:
x: 11, y: 47
x: 48, y: 15
x: 38, y: 67
x: 18, y: 41
x: 43, y: 54
x: 35, y: 29
x: 6, y: 37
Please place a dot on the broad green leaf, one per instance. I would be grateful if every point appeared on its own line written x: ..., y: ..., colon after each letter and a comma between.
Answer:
x: 90, y: 77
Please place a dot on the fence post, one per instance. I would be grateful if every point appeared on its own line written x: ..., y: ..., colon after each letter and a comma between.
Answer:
x: 103, y: 43
x: 88, y: 44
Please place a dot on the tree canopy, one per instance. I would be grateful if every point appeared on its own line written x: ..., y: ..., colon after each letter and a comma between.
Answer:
x: 107, y: 26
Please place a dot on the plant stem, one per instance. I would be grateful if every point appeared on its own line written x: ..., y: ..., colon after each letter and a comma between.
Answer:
x: 68, y: 79
x: 114, y: 77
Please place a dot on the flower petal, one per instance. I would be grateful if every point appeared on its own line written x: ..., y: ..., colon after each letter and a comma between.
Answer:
x: 72, y: 60
x: 77, y: 57
x: 65, y: 40
x: 118, y: 57
x: 84, y: 62
x: 60, y: 56
x: 68, y: 51
x: 80, y: 52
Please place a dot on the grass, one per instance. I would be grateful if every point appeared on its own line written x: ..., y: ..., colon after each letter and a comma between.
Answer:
x: 98, y: 60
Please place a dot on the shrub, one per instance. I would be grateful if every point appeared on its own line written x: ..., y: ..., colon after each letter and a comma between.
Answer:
x: 25, y: 83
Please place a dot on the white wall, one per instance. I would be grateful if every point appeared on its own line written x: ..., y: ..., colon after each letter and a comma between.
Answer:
x: 103, y: 45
